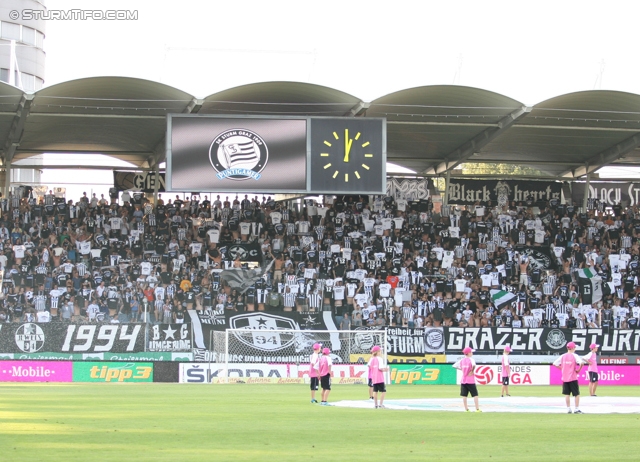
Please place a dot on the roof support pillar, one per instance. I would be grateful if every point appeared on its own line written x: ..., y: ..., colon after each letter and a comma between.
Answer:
x: 17, y: 127
x: 156, y: 183
x: 447, y: 179
x: 358, y: 110
x: 585, y: 198
x: 7, y: 178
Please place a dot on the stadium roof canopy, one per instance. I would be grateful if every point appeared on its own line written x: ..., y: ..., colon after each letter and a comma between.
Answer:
x: 430, y: 129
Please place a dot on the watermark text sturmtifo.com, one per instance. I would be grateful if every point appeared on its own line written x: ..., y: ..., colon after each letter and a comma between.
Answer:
x: 75, y: 15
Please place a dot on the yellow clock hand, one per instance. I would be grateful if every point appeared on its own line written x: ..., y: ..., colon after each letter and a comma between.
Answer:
x: 347, y: 145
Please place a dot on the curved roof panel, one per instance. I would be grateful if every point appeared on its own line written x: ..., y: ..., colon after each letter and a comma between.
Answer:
x: 438, y: 102
x: 118, y: 116
x: 430, y: 129
x: 280, y: 98
x: 110, y: 95
x: 573, y: 133
x: 10, y: 98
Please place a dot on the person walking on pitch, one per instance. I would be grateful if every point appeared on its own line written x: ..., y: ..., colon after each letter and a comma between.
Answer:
x: 377, y: 368
x: 506, y: 371
x: 468, y: 382
x: 592, y: 360
x: 570, y: 364
x: 313, y: 371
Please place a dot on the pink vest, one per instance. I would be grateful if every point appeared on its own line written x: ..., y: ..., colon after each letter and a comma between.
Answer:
x: 505, y: 366
x: 568, y: 367
x: 593, y: 363
x: 324, y: 366
x: 374, y: 370
x: 465, y: 366
x: 313, y: 363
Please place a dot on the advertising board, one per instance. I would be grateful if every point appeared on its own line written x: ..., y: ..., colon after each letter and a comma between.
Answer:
x: 36, y: 371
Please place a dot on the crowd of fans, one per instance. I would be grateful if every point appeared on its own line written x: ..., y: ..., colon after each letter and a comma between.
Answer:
x: 372, y: 261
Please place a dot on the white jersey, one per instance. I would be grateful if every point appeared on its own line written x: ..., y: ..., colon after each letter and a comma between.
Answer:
x: 460, y: 284
x: 338, y: 292
x: 384, y: 289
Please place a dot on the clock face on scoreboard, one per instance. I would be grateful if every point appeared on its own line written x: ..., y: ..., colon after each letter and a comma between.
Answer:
x: 347, y: 155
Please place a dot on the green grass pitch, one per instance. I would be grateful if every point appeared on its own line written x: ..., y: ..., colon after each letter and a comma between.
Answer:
x: 180, y: 422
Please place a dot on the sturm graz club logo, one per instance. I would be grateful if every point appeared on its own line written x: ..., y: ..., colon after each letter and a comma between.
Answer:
x: 238, y: 154
x: 556, y: 339
x: 29, y: 337
x: 364, y: 338
x: 433, y: 339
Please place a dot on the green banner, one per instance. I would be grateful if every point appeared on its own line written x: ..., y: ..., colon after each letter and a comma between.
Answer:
x: 144, y: 357
x: 423, y: 374
x: 112, y: 372
x: 49, y: 356
x: 148, y: 356
x: 182, y: 357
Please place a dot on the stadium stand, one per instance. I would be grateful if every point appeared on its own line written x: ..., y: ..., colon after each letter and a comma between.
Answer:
x: 379, y: 260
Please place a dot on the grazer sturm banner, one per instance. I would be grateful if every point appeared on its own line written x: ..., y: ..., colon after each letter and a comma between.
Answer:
x: 410, y: 342
x: 608, y: 192
x: 501, y: 192
x: 408, y: 188
x: 138, y: 181
x: 541, y: 339
x: 170, y: 337
x: 71, y: 338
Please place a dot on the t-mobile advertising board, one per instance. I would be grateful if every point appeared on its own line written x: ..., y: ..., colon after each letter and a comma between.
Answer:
x: 36, y: 371
x: 607, y: 375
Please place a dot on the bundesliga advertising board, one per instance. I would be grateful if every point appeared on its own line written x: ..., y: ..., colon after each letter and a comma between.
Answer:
x: 521, y: 374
